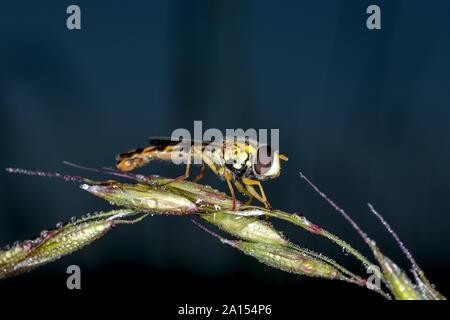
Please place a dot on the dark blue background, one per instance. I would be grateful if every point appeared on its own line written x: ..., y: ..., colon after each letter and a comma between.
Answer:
x: 364, y: 114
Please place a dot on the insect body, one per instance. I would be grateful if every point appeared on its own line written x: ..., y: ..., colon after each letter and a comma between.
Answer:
x: 243, y: 163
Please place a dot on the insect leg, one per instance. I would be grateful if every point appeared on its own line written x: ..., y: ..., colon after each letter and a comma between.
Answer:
x: 200, y: 175
x: 213, y: 167
x: 183, y: 177
x: 244, y: 191
x: 206, y: 160
x: 249, y: 183
x: 232, y: 193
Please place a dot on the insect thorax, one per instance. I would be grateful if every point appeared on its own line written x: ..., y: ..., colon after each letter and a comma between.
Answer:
x: 239, y: 163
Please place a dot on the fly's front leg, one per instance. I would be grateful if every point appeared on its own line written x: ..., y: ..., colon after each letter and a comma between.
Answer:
x: 249, y: 183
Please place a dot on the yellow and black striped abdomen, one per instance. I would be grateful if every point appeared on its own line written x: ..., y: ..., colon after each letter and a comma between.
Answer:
x: 136, y: 158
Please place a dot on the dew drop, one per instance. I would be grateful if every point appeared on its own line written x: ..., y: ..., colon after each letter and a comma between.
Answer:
x: 284, y: 235
x: 73, y: 219
x: 43, y: 234
x: 345, y: 251
x: 59, y: 225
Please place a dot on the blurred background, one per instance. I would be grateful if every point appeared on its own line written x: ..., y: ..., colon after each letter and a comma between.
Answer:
x: 364, y: 114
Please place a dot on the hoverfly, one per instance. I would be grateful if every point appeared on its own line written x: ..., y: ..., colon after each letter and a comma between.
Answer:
x: 243, y: 163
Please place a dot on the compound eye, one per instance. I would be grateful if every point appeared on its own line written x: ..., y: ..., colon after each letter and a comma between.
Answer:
x: 264, y: 160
